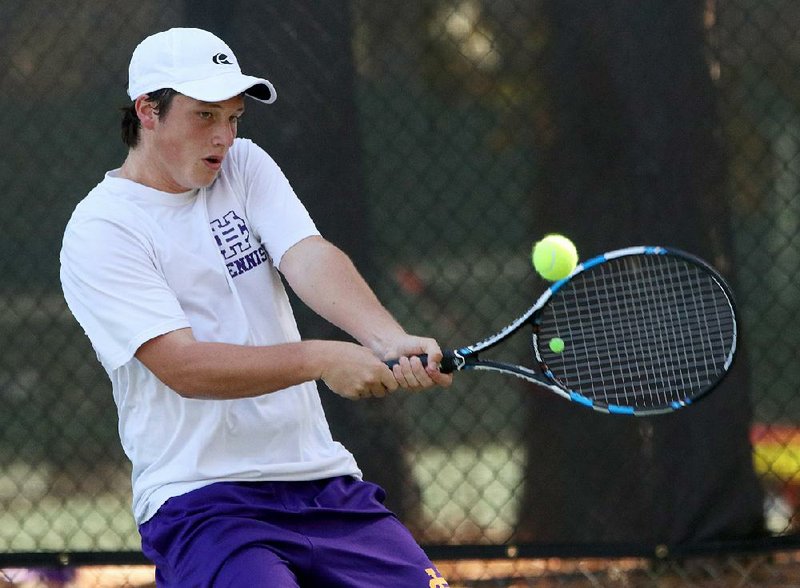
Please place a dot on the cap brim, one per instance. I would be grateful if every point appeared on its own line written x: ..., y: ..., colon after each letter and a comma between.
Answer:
x: 227, y: 86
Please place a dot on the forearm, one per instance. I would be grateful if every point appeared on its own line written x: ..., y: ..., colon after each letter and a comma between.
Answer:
x: 198, y: 369
x: 222, y: 371
x: 329, y: 283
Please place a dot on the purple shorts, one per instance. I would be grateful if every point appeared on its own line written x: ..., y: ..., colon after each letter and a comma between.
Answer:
x: 331, y: 533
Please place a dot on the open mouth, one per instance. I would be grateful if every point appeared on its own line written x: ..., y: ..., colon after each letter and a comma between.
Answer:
x: 214, y: 162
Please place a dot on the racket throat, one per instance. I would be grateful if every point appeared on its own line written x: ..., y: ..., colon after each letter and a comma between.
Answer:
x: 452, y: 361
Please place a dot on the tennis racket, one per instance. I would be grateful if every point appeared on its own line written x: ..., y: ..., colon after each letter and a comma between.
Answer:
x: 645, y: 330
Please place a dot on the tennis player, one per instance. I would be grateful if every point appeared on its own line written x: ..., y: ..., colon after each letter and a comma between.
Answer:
x: 170, y: 264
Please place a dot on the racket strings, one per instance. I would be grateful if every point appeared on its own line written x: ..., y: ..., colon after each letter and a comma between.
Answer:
x: 640, y: 331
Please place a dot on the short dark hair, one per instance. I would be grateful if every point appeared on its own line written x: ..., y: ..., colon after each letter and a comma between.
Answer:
x: 130, y: 122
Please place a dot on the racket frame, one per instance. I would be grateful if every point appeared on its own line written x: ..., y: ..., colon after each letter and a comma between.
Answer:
x: 467, y: 358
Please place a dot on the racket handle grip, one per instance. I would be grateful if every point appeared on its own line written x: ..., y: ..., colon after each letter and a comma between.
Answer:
x: 446, y: 366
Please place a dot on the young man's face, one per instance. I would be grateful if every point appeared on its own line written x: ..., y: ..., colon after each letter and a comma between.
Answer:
x: 191, y: 141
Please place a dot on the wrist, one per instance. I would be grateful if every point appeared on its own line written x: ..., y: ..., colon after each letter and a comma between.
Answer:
x: 314, y: 357
x: 387, y: 343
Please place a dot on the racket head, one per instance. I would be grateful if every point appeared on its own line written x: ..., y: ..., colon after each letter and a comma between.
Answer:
x: 646, y: 330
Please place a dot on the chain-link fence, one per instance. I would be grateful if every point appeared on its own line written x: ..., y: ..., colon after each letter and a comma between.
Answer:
x: 435, y: 141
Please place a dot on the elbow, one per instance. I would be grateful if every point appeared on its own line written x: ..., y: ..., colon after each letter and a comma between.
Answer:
x: 175, y: 359
x: 198, y: 383
x: 180, y: 363
x: 185, y: 377
x: 189, y: 391
x: 185, y: 384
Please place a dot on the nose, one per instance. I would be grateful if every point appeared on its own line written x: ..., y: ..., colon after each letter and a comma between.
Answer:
x: 224, y: 134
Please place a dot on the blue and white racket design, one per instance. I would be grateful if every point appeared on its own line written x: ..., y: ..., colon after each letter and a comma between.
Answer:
x: 637, y: 331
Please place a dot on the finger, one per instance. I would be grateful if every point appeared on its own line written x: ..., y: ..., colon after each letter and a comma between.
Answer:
x: 435, y: 357
x: 412, y: 374
x: 399, y: 374
x: 420, y: 373
x: 431, y: 348
x: 404, y: 374
x: 440, y: 379
x: 378, y: 391
x: 384, y: 386
x: 389, y: 381
x: 353, y: 395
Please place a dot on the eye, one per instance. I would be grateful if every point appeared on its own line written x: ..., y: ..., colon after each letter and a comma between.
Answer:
x: 206, y: 115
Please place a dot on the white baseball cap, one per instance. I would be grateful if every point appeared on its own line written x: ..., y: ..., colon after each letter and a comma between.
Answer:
x: 195, y: 63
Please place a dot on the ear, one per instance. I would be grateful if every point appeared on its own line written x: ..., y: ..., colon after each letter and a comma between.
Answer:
x: 146, y: 113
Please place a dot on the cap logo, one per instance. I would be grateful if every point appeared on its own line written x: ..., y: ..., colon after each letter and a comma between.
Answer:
x: 220, y: 58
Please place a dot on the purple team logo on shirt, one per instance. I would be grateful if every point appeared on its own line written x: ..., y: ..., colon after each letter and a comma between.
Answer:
x: 233, y: 239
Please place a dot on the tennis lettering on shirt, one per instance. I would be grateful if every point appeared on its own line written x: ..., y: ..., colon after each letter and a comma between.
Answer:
x: 232, y: 236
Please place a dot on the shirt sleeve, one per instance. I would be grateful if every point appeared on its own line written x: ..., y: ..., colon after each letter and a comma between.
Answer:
x: 276, y: 213
x: 115, y: 290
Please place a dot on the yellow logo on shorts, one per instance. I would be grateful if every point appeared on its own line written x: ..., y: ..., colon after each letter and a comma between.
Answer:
x: 437, y: 581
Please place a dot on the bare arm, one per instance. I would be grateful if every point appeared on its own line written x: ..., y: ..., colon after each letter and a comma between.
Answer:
x: 197, y: 369
x: 325, y: 279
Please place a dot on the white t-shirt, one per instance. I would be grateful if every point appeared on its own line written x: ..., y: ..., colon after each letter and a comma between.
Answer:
x: 137, y: 263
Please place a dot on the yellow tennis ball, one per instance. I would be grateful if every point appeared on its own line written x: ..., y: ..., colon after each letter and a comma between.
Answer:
x: 554, y: 257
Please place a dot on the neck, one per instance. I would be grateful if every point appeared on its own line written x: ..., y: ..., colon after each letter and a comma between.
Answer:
x: 139, y: 168
x: 131, y: 168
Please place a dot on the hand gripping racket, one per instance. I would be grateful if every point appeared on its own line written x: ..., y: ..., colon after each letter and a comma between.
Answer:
x: 645, y: 330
